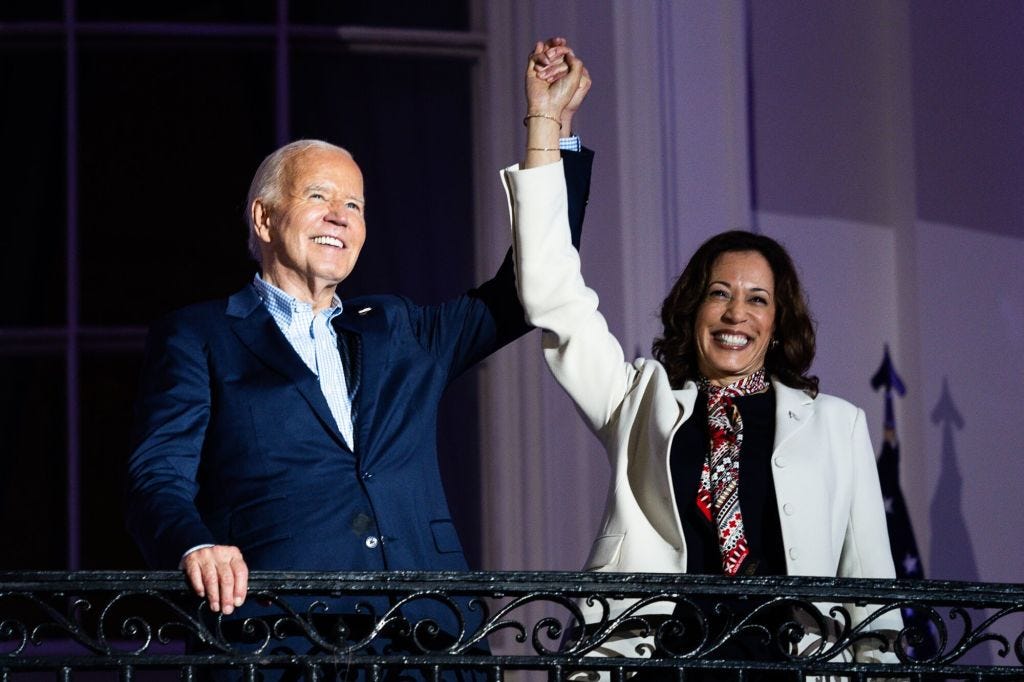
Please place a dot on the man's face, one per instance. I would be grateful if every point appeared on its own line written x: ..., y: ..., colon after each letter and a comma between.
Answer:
x: 312, y: 236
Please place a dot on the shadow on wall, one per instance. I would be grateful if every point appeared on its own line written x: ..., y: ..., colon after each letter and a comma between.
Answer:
x: 952, y: 554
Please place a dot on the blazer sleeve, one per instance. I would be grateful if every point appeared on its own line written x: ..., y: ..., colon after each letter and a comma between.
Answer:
x: 586, y: 359
x: 463, y: 331
x: 172, y: 412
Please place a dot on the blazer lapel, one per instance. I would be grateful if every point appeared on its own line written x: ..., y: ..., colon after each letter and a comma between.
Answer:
x: 687, y: 398
x: 655, y: 492
x: 366, y: 333
x: 793, y: 411
x: 256, y: 329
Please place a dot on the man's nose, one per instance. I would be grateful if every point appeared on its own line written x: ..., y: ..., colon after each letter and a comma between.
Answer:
x: 336, y: 215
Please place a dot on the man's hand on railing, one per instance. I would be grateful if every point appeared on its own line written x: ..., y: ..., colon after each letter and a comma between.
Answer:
x: 219, y: 574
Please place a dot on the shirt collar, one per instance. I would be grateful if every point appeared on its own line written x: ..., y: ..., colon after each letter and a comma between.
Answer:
x: 282, y: 306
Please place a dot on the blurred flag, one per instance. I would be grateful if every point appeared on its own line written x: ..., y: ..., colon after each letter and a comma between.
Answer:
x: 901, y: 532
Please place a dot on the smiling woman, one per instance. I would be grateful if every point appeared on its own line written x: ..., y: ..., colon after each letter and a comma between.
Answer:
x: 737, y: 318
x: 725, y: 457
x: 738, y: 282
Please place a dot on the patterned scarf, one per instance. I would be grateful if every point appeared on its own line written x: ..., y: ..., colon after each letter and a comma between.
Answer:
x: 718, y: 496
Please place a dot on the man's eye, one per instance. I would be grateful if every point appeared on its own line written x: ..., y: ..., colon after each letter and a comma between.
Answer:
x: 316, y: 195
x: 354, y: 206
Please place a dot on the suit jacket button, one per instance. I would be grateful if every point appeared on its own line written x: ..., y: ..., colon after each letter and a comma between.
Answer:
x: 780, y: 462
x: 787, y: 509
x: 372, y: 542
x: 794, y: 553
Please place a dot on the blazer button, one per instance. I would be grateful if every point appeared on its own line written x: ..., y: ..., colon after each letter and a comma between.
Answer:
x: 372, y: 542
x: 780, y: 462
x: 787, y: 509
x: 366, y: 475
x: 794, y: 553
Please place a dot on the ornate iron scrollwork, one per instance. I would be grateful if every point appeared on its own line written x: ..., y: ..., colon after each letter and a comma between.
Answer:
x: 564, y: 621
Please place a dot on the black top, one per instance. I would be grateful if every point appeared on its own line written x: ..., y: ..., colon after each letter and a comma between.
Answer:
x: 757, y: 489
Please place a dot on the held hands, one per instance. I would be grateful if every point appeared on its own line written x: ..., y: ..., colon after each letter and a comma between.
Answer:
x: 556, y: 82
x: 218, y: 573
x: 556, y: 85
x: 549, y: 63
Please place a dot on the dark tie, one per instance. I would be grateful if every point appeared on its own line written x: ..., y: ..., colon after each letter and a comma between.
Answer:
x: 350, y: 347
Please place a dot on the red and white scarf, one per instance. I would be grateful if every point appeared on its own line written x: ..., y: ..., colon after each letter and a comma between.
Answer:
x: 718, y: 496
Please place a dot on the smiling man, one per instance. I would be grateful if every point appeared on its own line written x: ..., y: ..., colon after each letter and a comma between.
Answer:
x: 287, y: 429
x: 307, y: 233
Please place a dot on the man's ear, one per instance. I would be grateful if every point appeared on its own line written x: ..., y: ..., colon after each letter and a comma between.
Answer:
x: 261, y: 219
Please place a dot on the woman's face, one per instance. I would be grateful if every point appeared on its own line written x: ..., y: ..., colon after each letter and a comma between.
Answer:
x: 736, y: 319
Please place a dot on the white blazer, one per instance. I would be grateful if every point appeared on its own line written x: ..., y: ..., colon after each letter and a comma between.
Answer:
x: 826, y: 480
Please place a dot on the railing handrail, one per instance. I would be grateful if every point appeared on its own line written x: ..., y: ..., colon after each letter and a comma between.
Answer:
x: 123, y: 620
x: 980, y: 594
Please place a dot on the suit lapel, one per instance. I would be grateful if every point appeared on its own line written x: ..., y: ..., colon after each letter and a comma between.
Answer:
x: 366, y: 333
x: 256, y: 329
x: 793, y: 411
x: 657, y: 487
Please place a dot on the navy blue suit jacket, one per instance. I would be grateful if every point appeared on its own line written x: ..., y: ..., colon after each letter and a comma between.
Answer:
x: 235, y: 443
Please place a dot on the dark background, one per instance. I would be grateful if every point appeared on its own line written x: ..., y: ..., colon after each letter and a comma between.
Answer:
x: 130, y: 134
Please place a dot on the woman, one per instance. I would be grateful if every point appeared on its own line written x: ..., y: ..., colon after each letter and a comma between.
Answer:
x: 726, y: 459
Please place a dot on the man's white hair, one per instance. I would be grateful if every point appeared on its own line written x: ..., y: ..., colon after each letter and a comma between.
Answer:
x: 268, y: 183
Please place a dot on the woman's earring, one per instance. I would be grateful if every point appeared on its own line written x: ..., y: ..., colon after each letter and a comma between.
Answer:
x: 774, y: 344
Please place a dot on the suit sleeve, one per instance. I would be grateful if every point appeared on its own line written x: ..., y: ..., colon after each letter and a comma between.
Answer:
x: 172, y: 412
x: 463, y: 331
x: 586, y: 359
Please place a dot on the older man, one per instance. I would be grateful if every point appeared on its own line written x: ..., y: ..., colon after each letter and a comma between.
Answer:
x: 284, y: 428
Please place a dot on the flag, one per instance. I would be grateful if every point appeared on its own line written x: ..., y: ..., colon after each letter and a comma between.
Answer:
x: 901, y: 532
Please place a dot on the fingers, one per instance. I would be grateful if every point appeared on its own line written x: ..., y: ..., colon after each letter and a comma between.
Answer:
x: 194, y: 573
x: 575, y: 102
x: 549, y: 50
x: 585, y: 81
x: 574, y: 71
x: 241, y: 580
x: 548, y: 59
x: 554, y: 71
x: 550, y: 56
x: 220, y: 575
x: 581, y: 90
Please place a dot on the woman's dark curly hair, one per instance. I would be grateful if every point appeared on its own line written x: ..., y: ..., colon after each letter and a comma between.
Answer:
x: 788, y: 360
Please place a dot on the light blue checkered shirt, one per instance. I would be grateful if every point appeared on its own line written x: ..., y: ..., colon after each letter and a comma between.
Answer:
x: 570, y: 144
x: 314, y: 339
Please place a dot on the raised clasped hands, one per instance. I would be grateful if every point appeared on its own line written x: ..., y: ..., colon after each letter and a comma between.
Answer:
x: 556, y: 83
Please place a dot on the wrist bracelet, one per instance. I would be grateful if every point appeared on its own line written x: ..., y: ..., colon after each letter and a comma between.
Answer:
x: 543, y: 149
x: 550, y: 118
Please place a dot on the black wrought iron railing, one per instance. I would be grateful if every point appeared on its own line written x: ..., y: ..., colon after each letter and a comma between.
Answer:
x: 493, y: 625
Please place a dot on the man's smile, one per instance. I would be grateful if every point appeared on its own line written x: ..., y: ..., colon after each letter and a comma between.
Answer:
x: 327, y: 240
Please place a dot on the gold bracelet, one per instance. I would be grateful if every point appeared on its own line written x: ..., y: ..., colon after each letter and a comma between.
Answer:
x: 550, y: 118
x: 543, y: 149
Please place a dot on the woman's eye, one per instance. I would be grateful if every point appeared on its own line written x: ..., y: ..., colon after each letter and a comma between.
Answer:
x: 718, y: 293
x: 760, y: 300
